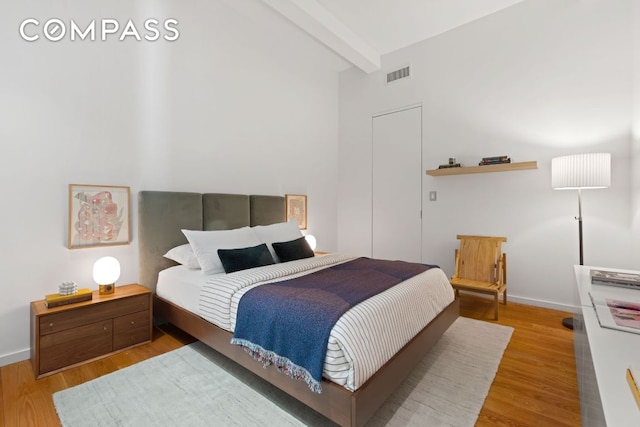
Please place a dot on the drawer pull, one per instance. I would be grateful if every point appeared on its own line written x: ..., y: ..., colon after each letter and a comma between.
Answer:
x: 133, y: 322
x: 51, y: 325
x: 105, y: 328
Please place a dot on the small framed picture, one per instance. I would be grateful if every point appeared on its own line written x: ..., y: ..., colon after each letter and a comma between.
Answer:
x: 98, y: 216
x: 297, y: 209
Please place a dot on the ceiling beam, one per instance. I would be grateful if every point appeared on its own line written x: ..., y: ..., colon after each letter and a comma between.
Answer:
x: 316, y: 20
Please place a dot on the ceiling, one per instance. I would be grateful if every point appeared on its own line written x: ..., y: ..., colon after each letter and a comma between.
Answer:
x: 360, y: 31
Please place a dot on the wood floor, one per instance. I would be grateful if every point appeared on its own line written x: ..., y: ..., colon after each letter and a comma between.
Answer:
x: 536, y: 382
x: 535, y: 385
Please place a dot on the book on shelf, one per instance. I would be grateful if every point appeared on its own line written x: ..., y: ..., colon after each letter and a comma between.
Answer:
x: 623, y: 315
x: 56, y: 300
x: 615, y: 278
x: 450, y: 165
x: 633, y: 378
x: 496, y: 160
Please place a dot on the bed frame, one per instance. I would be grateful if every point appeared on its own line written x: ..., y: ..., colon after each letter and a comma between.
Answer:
x: 162, y: 215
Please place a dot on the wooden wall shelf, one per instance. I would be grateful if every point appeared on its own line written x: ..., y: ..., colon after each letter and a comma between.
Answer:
x: 484, y: 169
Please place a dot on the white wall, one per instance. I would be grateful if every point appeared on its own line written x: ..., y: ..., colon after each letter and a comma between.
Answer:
x: 635, y: 144
x: 537, y: 80
x: 226, y: 108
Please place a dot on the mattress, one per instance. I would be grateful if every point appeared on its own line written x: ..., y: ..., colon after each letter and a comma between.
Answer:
x: 362, y: 340
x: 181, y: 286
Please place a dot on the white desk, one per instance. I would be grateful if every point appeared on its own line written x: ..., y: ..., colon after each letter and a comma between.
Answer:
x: 611, y: 352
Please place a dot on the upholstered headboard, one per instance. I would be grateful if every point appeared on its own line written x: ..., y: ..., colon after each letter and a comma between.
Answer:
x: 163, y: 214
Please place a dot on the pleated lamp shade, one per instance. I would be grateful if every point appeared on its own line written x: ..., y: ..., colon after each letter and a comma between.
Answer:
x: 579, y: 171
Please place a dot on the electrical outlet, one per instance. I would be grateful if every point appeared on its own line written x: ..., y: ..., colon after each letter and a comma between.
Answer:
x: 433, y: 196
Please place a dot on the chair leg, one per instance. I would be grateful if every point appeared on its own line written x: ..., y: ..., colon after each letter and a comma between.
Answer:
x: 496, y: 304
x: 504, y: 297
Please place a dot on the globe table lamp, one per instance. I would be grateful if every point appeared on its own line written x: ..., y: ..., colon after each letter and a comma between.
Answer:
x: 106, y: 271
x: 311, y: 240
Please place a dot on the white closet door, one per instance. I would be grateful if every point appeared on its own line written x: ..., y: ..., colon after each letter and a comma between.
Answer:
x: 397, y: 185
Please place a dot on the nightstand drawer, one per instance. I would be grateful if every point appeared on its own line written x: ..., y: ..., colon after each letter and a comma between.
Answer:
x: 131, y: 329
x: 75, y: 345
x: 73, y: 318
x: 134, y: 304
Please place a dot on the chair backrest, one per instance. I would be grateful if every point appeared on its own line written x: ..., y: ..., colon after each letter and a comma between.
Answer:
x: 478, y: 258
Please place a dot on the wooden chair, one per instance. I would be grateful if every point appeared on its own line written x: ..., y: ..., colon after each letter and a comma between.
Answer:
x: 481, y: 267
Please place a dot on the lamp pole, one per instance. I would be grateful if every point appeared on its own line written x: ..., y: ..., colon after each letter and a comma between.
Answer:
x: 579, y: 218
x: 567, y: 322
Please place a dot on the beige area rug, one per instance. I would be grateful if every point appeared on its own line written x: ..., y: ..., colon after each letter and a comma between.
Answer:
x: 195, y: 386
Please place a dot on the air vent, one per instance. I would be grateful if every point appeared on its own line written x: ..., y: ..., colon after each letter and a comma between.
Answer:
x: 401, y: 73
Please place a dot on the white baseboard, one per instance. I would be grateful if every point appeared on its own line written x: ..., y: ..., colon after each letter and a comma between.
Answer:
x: 534, y: 302
x: 19, y: 356
x: 545, y: 304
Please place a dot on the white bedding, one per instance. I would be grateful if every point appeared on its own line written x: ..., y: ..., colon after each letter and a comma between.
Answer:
x: 362, y: 340
x: 181, y: 286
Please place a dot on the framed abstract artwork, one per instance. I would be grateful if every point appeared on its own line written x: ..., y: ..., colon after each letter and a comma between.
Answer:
x: 297, y: 209
x: 98, y: 216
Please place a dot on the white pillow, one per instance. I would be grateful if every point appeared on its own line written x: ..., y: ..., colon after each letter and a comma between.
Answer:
x: 184, y: 255
x: 205, y: 245
x: 276, y: 233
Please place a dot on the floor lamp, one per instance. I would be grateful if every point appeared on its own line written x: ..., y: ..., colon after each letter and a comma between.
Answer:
x: 580, y: 172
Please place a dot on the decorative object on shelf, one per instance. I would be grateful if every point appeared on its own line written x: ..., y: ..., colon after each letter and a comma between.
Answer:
x: 98, y: 216
x: 578, y: 172
x: 496, y: 160
x: 68, y: 288
x: 311, y: 240
x: 450, y: 165
x: 296, y: 205
x: 106, y: 271
x: 56, y: 300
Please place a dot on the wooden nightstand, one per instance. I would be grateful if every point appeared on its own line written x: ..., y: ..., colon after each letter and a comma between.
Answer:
x: 68, y: 335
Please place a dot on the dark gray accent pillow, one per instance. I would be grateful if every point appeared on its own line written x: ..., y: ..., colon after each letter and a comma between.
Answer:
x: 245, y: 258
x: 292, y: 250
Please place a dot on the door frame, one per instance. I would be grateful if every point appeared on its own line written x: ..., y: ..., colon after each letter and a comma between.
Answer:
x: 385, y: 113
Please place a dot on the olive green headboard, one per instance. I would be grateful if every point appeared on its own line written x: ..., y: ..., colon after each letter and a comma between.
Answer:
x: 163, y: 214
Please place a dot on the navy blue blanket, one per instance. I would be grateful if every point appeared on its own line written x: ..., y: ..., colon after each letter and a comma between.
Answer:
x: 288, y: 323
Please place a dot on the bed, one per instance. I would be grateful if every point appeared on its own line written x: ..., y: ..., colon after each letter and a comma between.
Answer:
x: 162, y: 216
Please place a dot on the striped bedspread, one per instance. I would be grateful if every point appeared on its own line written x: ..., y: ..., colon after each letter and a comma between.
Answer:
x: 392, y: 317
